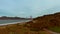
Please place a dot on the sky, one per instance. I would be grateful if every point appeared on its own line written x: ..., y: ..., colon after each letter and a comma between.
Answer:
x: 27, y: 8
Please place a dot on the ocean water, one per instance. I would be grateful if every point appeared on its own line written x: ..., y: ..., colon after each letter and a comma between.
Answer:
x: 11, y: 21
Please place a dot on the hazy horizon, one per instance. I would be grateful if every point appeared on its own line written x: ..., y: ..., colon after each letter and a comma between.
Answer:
x: 27, y: 8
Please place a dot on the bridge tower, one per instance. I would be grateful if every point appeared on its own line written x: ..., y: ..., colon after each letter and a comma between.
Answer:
x: 31, y: 18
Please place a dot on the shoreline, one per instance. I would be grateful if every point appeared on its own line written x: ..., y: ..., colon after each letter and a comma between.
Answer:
x: 12, y: 23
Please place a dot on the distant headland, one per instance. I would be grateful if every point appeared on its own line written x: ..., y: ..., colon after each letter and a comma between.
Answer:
x: 13, y: 18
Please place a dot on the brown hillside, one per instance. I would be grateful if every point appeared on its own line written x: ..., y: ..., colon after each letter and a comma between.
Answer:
x: 45, y: 21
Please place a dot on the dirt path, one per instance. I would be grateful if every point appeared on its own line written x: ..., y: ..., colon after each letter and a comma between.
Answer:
x: 50, y: 32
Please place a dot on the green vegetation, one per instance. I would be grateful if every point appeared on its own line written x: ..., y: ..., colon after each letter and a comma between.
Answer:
x: 42, y: 32
x: 55, y: 29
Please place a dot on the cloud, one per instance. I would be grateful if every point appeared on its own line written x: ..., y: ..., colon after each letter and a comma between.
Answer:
x: 28, y: 7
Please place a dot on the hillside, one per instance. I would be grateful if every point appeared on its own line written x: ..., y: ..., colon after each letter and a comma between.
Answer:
x: 46, y: 24
x: 46, y: 21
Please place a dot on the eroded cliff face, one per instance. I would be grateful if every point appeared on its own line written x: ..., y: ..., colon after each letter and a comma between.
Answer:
x: 45, y: 21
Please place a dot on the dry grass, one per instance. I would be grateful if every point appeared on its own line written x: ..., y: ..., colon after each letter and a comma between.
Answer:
x: 16, y: 29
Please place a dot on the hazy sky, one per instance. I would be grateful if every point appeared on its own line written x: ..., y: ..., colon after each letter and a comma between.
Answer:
x: 26, y: 8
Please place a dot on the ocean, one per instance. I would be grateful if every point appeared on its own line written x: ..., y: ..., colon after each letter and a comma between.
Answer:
x: 5, y: 22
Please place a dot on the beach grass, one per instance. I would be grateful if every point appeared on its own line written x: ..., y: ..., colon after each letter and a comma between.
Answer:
x: 17, y: 29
